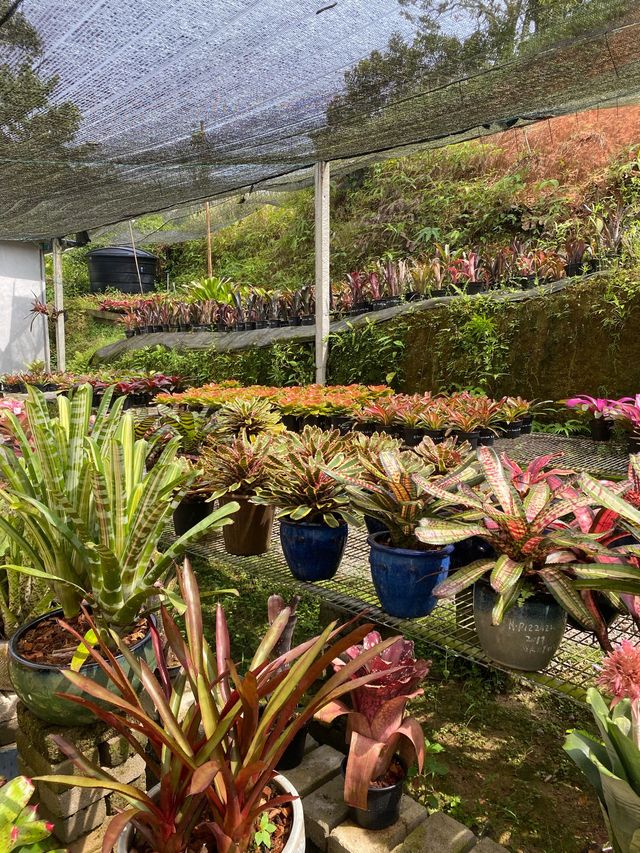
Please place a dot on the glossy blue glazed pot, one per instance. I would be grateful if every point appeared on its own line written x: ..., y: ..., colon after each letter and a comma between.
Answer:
x: 405, y: 579
x: 313, y: 551
x: 37, y: 684
x: 529, y: 634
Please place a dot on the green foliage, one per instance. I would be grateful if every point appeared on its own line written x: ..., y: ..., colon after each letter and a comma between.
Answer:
x: 369, y: 354
x: 20, y: 829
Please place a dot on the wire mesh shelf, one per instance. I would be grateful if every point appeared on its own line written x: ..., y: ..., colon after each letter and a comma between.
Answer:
x: 450, y: 626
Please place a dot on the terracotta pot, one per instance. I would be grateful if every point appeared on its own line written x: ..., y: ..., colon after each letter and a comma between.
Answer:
x: 250, y: 533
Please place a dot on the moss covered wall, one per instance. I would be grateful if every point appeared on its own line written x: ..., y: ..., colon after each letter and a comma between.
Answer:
x: 585, y: 339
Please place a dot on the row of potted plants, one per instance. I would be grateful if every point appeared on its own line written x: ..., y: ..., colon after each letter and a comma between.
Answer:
x: 606, y: 414
x: 548, y: 542
x: 140, y: 387
x: 475, y: 418
x: 84, y: 502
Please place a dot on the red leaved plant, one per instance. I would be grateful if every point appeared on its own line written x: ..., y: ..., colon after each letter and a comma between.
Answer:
x: 213, y: 762
x: 377, y: 728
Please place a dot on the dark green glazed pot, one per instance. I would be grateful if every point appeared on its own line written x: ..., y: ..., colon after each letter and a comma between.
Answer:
x: 37, y: 684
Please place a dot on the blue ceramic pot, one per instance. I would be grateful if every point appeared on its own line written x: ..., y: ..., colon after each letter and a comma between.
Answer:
x: 528, y: 636
x: 404, y: 579
x: 37, y: 684
x: 313, y: 551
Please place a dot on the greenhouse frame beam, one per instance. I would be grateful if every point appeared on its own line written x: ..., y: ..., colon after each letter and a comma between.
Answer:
x: 323, y: 281
x: 58, y: 303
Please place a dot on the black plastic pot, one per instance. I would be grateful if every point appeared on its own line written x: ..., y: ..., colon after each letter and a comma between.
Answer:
x: 633, y: 443
x: 468, y: 551
x: 600, y: 429
x: 526, y: 424
x: 342, y: 423
x: 486, y: 438
x: 321, y: 421
x: 511, y: 429
x: 472, y: 437
x: 412, y: 436
x: 436, y: 435
x: 188, y: 513
x: 291, y: 422
x: 365, y: 427
x: 294, y: 753
x: 383, y: 804
x: 129, y: 333
x: 474, y: 287
x: 307, y: 321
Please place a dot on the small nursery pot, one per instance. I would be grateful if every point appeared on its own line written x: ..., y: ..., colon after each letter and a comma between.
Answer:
x: 412, y: 436
x: 529, y: 635
x: 291, y: 422
x: 383, y: 804
x: 313, y: 551
x: 250, y: 533
x: 472, y: 437
x: 294, y: 753
x: 436, y: 435
x: 342, y: 423
x: 190, y: 512
x: 526, y: 424
x: 486, y: 438
x: 600, y: 429
x: 405, y: 578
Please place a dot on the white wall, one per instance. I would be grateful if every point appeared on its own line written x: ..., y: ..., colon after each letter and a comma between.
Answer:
x: 21, y: 280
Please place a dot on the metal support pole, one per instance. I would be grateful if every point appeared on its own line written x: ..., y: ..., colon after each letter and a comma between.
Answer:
x: 207, y: 212
x: 323, y: 281
x: 58, y: 302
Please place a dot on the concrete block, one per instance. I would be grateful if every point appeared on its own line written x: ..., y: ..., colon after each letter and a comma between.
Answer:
x: 39, y: 734
x: 318, y: 767
x: 350, y: 838
x: 130, y: 770
x: 91, y: 843
x: 43, y: 767
x: 114, y: 751
x: 117, y: 802
x: 8, y: 731
x: 81, y: 823
x: 324, y: 809
x: 310, y: 744
x: 439, y: 834
x: 8, y: 707
x: 486, y: 845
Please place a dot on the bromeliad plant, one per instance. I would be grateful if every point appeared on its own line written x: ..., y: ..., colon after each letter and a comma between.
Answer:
x: 445, y: 456
x: 214, y: 763
x: 528, y: 527
x: 86, y: 513
x: 248, y: 416
x: 20, y: 829
x: 304, y: 481
x: 239, y: 468
x: 612, y: 763
x: 377, y: 725
x: 387, y: 489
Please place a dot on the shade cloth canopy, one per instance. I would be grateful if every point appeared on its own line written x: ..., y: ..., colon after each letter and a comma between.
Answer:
x: 112, y: 108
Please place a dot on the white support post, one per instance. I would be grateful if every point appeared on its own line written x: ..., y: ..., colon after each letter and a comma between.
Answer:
x: 58, y: 302
x: 323, y: 281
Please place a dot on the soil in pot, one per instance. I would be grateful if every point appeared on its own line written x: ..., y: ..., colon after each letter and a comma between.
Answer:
x: 405, y: 578
x: 189, y: 512
x: 250, y: 533
x: 313, y: 551
x: 40, y: 649
x: 383, y: 799
x: 529, y: 635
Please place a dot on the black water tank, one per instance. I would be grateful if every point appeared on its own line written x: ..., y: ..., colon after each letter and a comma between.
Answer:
x: 115, y: 267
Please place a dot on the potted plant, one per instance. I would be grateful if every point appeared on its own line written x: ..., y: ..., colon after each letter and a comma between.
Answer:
x: 214, y: 765
x: 610, y: 762
x: 600, y: 410
x: 250, y: 416
x: 383, y: 741
x: 404, y: 572
x: 20, y: 829
x: 86, y: 518
x: 539, y: 572
x: 235, y: 471
x: 314, y: 507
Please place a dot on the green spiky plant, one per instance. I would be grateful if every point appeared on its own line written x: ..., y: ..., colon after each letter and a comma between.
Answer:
x: 87, y: 513
x: 213, y: 763
x: 238, y: 468
x: 303, y: 481
x: 387, y: 488
x: 529, y: 528
x: 20, y: 829
x: 251, y: 416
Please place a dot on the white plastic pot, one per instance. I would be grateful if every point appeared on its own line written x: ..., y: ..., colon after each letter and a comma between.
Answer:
x: 297, y: 839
